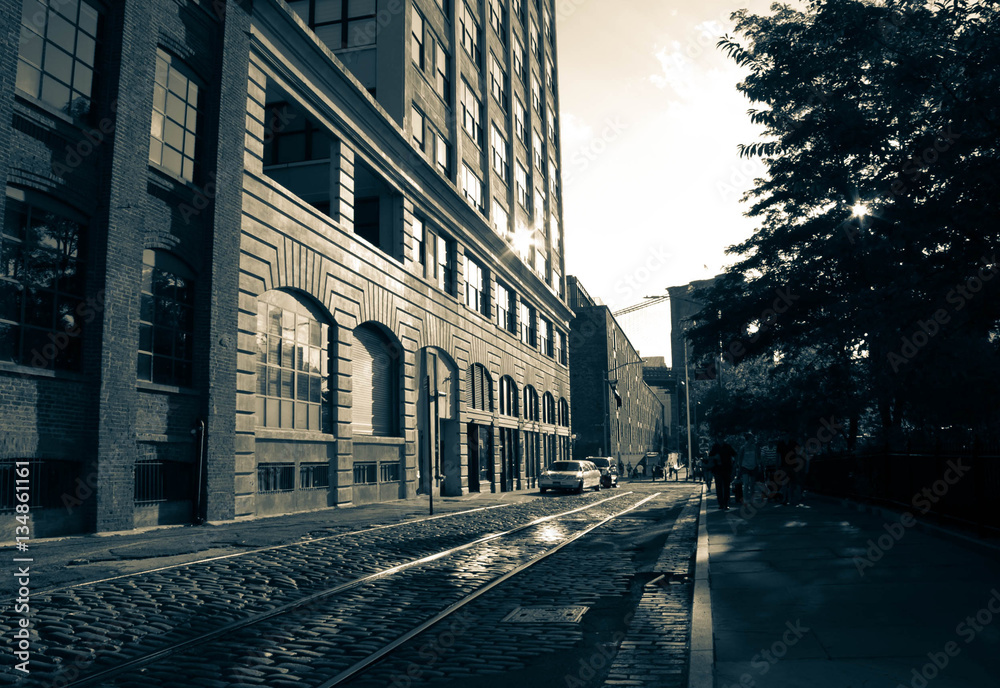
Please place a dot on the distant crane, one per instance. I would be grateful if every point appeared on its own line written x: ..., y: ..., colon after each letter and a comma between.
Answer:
x: 648, y: 301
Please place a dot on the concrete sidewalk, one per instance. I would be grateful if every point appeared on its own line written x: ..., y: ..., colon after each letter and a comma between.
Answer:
x: 828, y: 596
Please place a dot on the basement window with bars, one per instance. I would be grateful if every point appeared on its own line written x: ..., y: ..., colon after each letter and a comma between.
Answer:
x: 162, y: 481
x: 314, y: 475
x: 275, y: 477
x: 49, y: 483
x: 365, y: 473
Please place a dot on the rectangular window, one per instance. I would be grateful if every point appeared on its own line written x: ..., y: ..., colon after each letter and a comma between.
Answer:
x: 498, y: 82
x: 536, y: 94
x: 166, y: 320
x: 498, y: 19
x: 527, y: 324
x: 471, y: 35
x: 436, y: 254
x: 521, y: 182
x: 534, y: 40
x: 366, y: 474
x: 57, y: 53
x: 471, y: 113
x: 540, y: 210
x: 314, y: 475
x: 550, y: 75
x: 536, y: 148
x: 417, y: 44
x: 518, y: 59
x: 544, y: 337
x: 290, y: 136
x: 520, y: 121
x: 275, y: 477
x: 340, y: 23
x: 476, y: 287
x: 42, y: 287
x: 442, y: 154
x: 517, y: 9
x: 176, y: 123
x: 501, y: 219
x: 389, y: 472
x: 472, y: 186
x: 559, y: 344
x: 419, y: 246
x: 442, y: 74
x: 547, y: 23
x: 417, y: 127
x: 553, y: 132
x: 501, y: 165
x: 506, y: 319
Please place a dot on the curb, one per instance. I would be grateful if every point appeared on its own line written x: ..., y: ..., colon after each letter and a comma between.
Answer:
x: 701, y: 673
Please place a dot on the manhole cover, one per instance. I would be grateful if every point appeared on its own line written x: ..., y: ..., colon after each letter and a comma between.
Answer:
x: 546, y: 615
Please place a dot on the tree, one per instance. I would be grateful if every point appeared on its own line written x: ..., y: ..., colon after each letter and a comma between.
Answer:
x: 880, y: 205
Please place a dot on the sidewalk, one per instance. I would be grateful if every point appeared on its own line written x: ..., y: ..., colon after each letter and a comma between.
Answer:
x: 828, y: 596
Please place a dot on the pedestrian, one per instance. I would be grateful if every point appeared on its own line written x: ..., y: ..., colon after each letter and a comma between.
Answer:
x: 640, y: 470
x: 628, y: 470
x: 722, y: 466
x: 707, y: 467
x: 621, y: 467
x: 748, y: 460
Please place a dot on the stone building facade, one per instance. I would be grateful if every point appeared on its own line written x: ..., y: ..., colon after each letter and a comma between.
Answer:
x: 246, y: 270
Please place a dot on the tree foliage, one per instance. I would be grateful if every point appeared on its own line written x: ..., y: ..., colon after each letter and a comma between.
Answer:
x: 893, y: 105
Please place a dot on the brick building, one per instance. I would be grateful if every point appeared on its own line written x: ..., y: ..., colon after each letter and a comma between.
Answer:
x: 600, y: 354
x: 263, y: 257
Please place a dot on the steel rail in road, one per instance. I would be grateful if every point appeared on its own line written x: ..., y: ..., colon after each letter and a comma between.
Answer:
x: 269, y: 548
x: 321, y: 595
x: 382, y: 653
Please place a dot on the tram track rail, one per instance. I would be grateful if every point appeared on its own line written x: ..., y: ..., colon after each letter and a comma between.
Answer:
x: 324, y: 596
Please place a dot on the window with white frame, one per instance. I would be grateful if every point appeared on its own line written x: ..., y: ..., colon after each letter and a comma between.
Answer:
x: 501, y: 218
x: 476, y: 286
x: 520, y: 121
x: 527, y: 322
x: 501, y: 164
x: 506, y: 315
x: 472, y: 186
x: 533, y: 39
x: 536, y: 93
x: 536, y: 149
x: 521, y: 183
x: 442, y: 73
x: 472, y: 109
x: 545, y: 337
x: 553, y: 132
x: 471, y: 35
x: 442, y: 153
x: 498, y: 82
x: 417, y: 126
x: 417, y: 43
x: 520, y: 71
x: 498, y: 19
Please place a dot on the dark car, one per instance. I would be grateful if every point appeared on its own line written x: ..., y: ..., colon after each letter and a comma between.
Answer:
x: 609, y: 470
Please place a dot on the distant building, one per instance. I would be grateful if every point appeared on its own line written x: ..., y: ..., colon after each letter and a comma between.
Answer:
x: 682, y: 309
x: 659, y: 376
x: 623, y: 419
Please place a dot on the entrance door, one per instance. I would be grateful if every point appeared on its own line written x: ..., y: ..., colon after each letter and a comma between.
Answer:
x: 472, y: 442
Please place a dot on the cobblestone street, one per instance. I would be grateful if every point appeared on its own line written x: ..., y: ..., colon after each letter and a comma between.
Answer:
x: 301, y: 613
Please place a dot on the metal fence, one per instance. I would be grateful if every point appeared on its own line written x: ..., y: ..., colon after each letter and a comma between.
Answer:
x: 951, y: 487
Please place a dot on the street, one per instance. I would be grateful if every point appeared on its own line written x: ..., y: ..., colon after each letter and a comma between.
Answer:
x: 321, y: 612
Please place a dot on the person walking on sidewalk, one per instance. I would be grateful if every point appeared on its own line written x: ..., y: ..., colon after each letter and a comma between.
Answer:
x: 722, y: 467
x: 749, y: 461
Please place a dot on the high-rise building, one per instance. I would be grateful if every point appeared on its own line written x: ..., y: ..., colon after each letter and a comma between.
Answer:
x: 262, y: 257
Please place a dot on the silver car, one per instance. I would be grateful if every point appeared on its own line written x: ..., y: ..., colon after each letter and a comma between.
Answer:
x: 570, y: 475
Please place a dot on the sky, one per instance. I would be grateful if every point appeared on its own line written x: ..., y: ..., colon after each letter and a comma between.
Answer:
x: 652, y: 178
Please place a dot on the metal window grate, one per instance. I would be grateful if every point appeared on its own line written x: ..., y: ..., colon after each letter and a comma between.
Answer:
x: 389, y: 472
x: 275, y: 477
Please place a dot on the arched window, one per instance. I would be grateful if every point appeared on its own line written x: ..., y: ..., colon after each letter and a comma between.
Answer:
x: 530, y: 403
x: 563, y: 413
x: 548, y: 409
x: 293, y: 371
x: 508, y: 397
x: 375, y: 395
x: 166, y: 320
x: 478, y: 388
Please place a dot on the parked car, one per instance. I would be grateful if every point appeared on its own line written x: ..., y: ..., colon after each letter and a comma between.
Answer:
x: 609, y: 470
x: 570, y: 475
